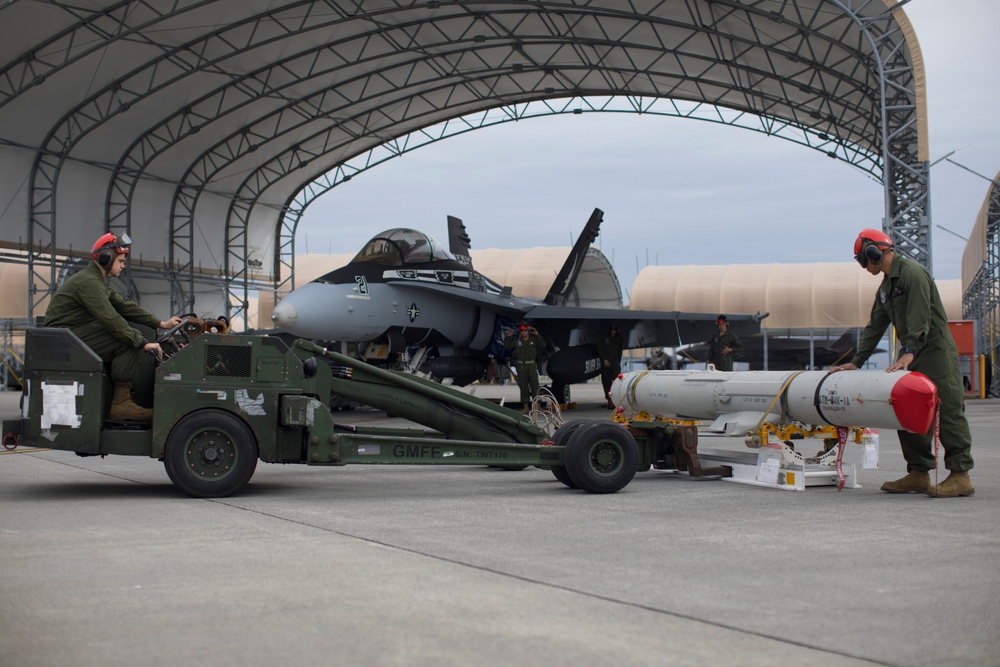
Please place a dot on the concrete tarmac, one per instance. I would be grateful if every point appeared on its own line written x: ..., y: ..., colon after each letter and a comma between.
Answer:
x: 106, y: 564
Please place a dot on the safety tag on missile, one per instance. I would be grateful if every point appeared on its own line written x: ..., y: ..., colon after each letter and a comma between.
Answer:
x: 768, y: 462
x: 869, y: 456
x: 869, y: 449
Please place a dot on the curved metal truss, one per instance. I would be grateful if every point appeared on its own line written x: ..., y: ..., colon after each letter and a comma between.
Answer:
x: 906, y: 175
x: 775, y: 127
x: 981, y: 301
x: 271, y: 103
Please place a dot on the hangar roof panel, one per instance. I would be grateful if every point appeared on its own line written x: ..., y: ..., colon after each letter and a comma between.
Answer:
x: 255, y: 99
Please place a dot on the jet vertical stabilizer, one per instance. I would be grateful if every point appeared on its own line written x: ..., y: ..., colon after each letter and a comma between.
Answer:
x: 459, y: 242
x: 562, y: 287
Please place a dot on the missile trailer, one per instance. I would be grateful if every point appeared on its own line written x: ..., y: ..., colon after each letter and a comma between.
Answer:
x: 220, y: 402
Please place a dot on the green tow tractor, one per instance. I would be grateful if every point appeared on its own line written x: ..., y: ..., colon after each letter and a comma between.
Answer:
x: 222, y: 401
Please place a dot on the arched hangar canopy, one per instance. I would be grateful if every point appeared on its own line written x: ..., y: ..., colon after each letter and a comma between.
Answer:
x: 979, y: 255
x: 981, y: 271
x: 194, y: 124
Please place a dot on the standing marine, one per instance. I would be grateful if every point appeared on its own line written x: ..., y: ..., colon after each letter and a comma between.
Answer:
x: 609, y: 349
x: 525, y: 347
x: 908, y: 299
x: 723, y: 346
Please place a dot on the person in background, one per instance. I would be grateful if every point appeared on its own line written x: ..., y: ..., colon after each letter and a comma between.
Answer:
x: 525, y: 346
x: 723, y: 346
x: 89, y: 307
x: 908, y: 299
x: 609, y: 348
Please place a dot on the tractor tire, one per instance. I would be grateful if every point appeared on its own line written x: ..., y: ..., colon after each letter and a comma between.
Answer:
x: 210, y: 454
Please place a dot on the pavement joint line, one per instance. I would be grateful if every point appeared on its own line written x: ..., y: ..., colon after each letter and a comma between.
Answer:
x: 509, y: 575
x: 594, y: 596
x: 76, y: 467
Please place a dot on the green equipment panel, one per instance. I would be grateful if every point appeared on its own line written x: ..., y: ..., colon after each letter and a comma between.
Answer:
x: 65, y: 391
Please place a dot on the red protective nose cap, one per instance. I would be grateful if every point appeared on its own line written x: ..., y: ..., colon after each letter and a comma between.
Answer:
x: 914, y: 400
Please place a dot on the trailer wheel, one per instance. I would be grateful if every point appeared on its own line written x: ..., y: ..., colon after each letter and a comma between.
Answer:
x: 210, y: 454
x: 561, y: 438
x: 601, y: 457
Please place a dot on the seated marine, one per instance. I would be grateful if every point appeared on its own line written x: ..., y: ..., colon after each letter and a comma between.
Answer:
x: 100, y: 317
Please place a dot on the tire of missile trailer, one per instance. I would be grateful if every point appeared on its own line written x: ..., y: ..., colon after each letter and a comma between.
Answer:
x: 601, y: 457
x: 561, y: 437
x: 210, y: 454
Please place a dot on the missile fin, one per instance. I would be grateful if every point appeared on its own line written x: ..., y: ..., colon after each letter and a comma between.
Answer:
x: 741, y: 423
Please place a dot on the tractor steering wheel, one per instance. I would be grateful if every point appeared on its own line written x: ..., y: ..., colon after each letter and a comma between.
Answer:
x: 166, y: 340
x: 169, y: 333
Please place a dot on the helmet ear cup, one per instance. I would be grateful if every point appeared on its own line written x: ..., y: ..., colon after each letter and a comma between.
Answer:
x: 873, y: 253
x: 104, y: 257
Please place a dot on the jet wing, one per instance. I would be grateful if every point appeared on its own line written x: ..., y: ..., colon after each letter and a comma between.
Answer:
x: 568, y: 325
x: 564, y: 326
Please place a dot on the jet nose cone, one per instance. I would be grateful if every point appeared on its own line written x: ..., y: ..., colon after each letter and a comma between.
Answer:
x: 285, y: 316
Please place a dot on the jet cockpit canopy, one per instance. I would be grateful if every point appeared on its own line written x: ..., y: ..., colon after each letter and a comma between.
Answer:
x: 395, y: 247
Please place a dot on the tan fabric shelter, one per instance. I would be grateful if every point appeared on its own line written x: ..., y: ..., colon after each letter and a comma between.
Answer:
x: 974, y: 255
x: 798, y: 296
x: 14, y: 291
x: 531, y: 271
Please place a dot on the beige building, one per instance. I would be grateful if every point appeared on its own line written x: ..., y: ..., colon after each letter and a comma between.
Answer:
x: 797, y: 296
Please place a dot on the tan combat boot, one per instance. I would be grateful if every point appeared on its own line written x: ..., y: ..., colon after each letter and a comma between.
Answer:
x: 957, y: 484
x: 914, y: 482
x: 123, y: 408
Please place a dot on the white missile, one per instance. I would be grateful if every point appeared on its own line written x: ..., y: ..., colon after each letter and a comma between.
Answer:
x: 740, y: 401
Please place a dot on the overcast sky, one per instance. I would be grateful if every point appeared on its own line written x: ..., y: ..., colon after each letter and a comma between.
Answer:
x: 680, y: 192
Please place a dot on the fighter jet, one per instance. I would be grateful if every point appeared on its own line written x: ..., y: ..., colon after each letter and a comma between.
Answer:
x: 405, y: 296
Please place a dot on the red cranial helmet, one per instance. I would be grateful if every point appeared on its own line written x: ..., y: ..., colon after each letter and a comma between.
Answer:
x: 109, y: 245
x: 870, y: 245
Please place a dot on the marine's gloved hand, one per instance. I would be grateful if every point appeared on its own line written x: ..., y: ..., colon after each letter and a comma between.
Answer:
x: 155, y: 349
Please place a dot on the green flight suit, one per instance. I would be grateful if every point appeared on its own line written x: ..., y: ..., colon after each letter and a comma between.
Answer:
x: 909, y: 300
x: 88, y: 306
x: 723, y: 362
x: 525, y: 358
x: 609, y: 349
